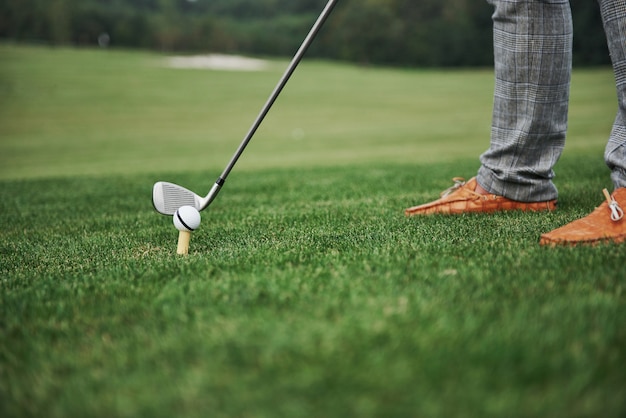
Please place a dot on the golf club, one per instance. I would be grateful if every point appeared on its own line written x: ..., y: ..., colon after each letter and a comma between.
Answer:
x: 168, y: 197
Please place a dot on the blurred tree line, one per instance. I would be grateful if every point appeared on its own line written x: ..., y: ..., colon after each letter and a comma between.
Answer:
x: 391, y: 32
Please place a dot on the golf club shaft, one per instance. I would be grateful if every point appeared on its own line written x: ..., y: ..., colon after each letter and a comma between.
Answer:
x: 281, y: 84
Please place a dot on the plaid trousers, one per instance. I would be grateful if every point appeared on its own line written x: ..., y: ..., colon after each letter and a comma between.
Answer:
x: 533, y: 65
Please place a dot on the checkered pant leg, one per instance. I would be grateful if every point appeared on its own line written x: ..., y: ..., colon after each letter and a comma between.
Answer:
x: 614, y: 19
x: 533, y: 54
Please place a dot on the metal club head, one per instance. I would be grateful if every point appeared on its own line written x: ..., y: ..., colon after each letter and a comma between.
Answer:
x: 168, y: 197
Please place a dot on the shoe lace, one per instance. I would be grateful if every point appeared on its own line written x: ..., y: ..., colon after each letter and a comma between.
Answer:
x: 458, y: 183
x: 616, y: 211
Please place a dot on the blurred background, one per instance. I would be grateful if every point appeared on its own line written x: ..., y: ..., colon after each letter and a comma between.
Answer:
x: 425, y: 33
x: 89, y: 86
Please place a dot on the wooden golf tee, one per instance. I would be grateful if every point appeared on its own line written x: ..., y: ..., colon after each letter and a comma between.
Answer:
x: 183, y: 242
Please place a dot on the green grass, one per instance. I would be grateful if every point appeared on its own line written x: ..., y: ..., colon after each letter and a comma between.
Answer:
x: 64, y: 112
x: 306, y: 293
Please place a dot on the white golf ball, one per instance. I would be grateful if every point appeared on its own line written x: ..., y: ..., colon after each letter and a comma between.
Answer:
x: 186, y: 218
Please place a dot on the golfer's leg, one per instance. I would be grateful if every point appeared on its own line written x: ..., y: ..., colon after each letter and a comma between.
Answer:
x: 532, y: 51
x: 614, y: 18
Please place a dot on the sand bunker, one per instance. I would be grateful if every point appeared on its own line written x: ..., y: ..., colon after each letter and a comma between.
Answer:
x: 218, y: 62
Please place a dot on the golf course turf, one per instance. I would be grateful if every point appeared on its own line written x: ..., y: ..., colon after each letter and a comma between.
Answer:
x: 306, y: 291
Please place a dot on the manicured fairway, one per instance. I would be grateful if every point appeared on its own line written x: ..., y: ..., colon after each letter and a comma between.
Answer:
x: 307, y: 293
x: 66, y: 112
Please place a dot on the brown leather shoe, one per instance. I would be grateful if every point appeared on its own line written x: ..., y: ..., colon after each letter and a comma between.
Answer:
x: 605, y: 224
x: 462, y: 198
